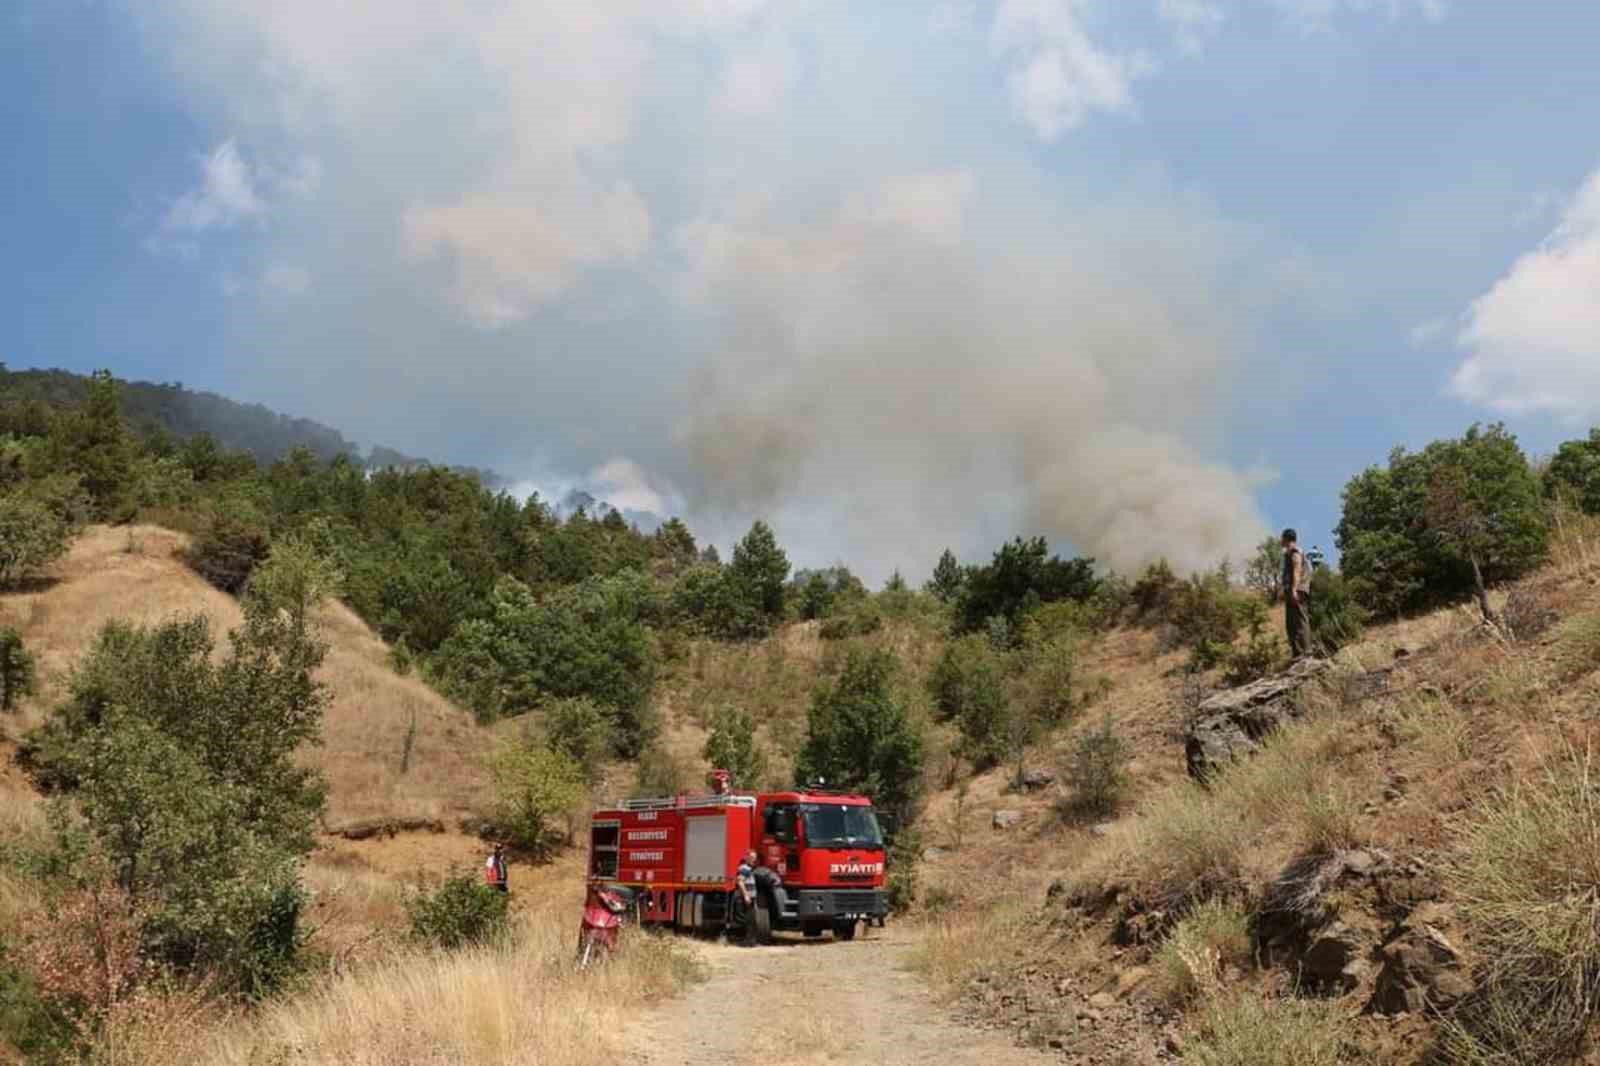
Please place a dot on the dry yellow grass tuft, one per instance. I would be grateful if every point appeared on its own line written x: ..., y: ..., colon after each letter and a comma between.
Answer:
x: 393, y: 748
x: 517, y: 1003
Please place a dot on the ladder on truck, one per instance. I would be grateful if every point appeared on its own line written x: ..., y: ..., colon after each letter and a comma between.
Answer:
x: 689, y: 803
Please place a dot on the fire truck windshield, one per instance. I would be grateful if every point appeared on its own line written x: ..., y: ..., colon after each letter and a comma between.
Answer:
x: 839, y: 825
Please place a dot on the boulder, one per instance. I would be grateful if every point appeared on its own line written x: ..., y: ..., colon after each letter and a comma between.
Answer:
x: 1229, y: 725
x: 1422, y: 970
x: 1033, y: 780
x: 1335, y: 961
x: 1006, y: 819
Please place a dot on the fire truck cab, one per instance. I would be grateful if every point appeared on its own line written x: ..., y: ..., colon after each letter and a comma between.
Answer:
x: 820, y: 855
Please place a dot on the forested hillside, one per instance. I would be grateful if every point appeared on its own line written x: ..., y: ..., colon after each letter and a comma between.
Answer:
x: 170, y: 410
x: 410, y: 645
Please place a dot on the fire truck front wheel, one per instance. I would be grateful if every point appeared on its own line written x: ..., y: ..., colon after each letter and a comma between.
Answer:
x: 844, y: 929
x: 761, y: 917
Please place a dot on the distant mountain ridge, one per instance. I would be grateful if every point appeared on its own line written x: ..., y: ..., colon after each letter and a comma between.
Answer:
x: 184, y: 413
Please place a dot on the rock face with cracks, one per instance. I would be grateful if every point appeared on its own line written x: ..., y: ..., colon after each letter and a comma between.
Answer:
x: 1229, y: 725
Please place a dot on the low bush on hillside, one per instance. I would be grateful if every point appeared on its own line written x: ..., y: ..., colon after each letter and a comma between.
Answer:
x: 1263, y: 654
x: 181, y: 779
x: 858, y: 620
x: 1527, y: 877
x: 31, y: 537
x: 462, y: 910
x: 1337, y: 616
x: 732, y: 746
x: 1098, y: 773
x: 228, y: 552
x: 19, y: 674
x: 537, y: 791
x: 663, y: 773
x: 1247, y: 1030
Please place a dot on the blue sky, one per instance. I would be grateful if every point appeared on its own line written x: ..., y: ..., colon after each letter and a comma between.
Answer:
x: 1148, y: 277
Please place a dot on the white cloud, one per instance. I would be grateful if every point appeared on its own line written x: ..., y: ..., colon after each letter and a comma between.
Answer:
x: 1060, y: 75
x: 225, y: 197
x: 1533, y: 339
x: 1317, y: 14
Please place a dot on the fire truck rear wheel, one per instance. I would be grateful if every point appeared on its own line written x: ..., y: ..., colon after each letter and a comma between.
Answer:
x: 844, y: 929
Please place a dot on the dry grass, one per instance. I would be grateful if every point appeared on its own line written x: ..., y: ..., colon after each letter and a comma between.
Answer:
x: 1246, y: 1030
x: 372, y: 710
x: 1527, y: 877
x: 515, y: 1003
x: 1193, y: 959
x: 958, y: 944
x: 1190, y: 842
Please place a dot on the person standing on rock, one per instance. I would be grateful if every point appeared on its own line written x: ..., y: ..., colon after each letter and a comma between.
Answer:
x: 1296, y: 595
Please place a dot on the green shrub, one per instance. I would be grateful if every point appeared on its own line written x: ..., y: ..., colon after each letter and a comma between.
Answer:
x: 968, y: 687
x: 1207, y: 615
x: 18, y: 673
x: 537, y: 790
x: 31, y: 537
x: 1337, y: 617
x: 1098, y: 772
x: 43, y: 1030
x: 1262, y: 655
x: 461, y: 911
x: 861, y: 736
x: 582, y: 730
x: 662, y: 773
x: 904, y: 857
x: 862, y: 618
x: 732, y: 746
x: 1421, y: 532
x: 1153, y: 594
x: 182, y: 768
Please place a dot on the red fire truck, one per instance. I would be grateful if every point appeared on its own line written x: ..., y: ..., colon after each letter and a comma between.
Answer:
x: 820, y: 857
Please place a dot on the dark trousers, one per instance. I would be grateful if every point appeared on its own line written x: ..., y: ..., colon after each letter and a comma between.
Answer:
x: 1297, y: 619
x: 741, y: 920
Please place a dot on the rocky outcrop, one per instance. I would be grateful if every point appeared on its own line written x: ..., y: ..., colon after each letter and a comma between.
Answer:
x: 386, y: 827
x: 1006, y: 819
x: 1231, y: 723
x: 1422, y: 969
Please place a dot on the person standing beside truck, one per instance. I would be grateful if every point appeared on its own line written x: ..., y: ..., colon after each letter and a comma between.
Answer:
x: 744, y: 899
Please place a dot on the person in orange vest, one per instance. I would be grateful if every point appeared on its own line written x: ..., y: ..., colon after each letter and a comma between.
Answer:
x: 494, y: 870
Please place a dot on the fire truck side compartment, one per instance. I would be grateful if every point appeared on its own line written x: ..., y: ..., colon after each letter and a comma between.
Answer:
x: 705, y: 848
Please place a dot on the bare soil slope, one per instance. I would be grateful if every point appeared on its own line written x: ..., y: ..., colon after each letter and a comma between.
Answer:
x: 374, y: 771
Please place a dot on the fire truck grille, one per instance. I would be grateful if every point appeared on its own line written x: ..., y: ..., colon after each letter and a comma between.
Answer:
x: 852, y: 902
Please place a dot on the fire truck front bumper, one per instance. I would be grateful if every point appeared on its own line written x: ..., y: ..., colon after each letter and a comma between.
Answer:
x: 818, y: 903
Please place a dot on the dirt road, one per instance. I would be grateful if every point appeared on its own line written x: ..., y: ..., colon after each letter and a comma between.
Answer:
x: 814, y: 1002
